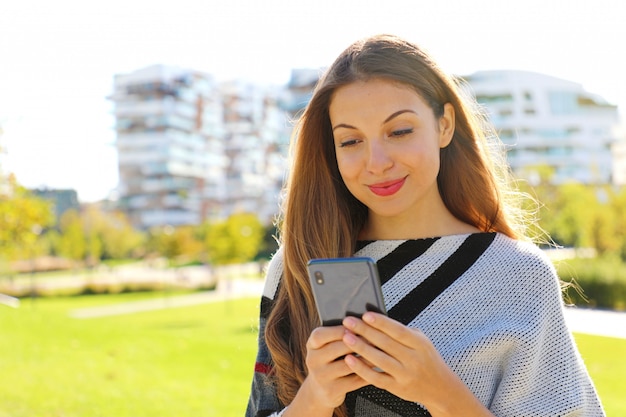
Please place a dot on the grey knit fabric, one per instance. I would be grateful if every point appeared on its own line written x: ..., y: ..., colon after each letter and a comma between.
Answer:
x: 492, y: 307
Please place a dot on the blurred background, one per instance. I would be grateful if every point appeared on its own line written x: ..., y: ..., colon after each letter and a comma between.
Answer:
x: 143, y: 146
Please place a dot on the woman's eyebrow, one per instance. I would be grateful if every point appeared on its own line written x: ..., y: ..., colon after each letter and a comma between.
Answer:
x: 344, y: 126
x: 398, y: 113
x: 391, y: 117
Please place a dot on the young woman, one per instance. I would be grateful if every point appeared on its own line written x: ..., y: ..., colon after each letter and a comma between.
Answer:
x: 391, y: 162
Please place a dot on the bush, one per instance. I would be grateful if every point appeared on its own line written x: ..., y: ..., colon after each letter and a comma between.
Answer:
x: 99, y: 288
x: 601, y: 280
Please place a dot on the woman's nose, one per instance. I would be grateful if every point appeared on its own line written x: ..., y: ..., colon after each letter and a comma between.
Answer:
x: 379, y: 159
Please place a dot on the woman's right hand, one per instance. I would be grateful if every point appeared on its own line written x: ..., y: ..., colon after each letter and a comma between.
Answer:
x: 329, y: 379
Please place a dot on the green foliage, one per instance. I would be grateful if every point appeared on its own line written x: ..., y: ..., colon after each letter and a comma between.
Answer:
x: 92, y: 235
x: 581, y: 216
x: 22, y: 219
x: 71, y: 242
x: 618, y: 207
x: 602, y: 281
x: 119, y: 239
x: 235, y: 240
x: 176, y: 242
x: 573, y: 211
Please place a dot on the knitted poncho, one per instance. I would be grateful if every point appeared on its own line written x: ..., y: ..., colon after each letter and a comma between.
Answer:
x: 492, y: 307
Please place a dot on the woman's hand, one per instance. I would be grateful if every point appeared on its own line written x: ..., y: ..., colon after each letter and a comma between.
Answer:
x: 404, y: 362
x: 329, y: 378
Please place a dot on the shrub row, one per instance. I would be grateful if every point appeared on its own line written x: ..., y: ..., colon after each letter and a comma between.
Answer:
x: 97, y: 289
x: 596, y: 282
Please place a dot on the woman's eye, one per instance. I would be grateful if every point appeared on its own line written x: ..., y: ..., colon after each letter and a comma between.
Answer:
x: 401, y: 132
x: 349, y: 142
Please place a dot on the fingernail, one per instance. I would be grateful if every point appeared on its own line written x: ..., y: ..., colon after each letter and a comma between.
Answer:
x: 349, y: 322
x: 349, y: 339
x: 369, y: 318
x: 350, y: 360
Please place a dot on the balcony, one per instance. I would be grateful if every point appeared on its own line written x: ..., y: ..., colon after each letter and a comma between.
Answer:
x: 165, y: 106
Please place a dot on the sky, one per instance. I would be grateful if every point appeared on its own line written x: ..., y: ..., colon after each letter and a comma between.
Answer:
x: 58, y: 58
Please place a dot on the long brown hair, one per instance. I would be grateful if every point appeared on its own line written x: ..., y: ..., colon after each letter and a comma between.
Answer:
x: 322, y: 219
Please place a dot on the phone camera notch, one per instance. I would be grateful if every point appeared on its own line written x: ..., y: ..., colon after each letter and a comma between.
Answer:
x: 319, y: 278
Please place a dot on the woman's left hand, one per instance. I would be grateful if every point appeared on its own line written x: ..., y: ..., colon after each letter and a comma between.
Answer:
x: 403, y: 361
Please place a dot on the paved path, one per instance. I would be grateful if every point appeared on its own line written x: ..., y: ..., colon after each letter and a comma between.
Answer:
x: 579, y: 320
x: 596, y: 322
x: 7, y: 300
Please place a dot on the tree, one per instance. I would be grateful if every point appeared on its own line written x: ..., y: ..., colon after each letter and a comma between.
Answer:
x: 175, y: 242
x: 119, y: 239
x: 23, y: 217
x: 92, y: 235
x: 575, y: 209
x: 618, y: 207
x: 71, y: 242
x: 235, y: 240
x: 579, y: 215
x: 109, y: 235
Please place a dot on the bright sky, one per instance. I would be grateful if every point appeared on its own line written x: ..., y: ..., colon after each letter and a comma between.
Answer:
x: 58, y: 58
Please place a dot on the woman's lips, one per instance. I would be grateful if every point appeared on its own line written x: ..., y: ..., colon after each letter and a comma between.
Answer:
x: 387, y: 188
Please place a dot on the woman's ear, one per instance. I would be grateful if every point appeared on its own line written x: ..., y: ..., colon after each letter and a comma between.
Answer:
x: 446, y: 125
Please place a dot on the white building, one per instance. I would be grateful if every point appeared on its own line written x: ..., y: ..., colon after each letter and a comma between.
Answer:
x: 167, y: 122
x: 547, y: 121
x: 190, y: 149
x: 256, y: 134
x: 299, y: 90
x: 619, y: 157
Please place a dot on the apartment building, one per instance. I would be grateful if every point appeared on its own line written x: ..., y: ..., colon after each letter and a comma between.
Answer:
x: 256, y: 134
x: 550, y: 122
x: 299, y: 90
x: 167, y: 125
x: 192, y: 149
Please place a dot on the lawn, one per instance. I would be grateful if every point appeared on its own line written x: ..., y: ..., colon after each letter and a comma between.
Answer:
x: 606, y: 361
x: 191, y: 361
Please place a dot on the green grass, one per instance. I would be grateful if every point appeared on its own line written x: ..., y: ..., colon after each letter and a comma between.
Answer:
x: 191, y: 361
x: 605, y: 360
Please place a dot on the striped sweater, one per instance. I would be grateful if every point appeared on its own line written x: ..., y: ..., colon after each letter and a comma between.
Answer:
x: 491, y: 306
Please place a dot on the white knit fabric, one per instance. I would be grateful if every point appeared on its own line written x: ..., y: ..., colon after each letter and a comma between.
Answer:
x: 499, y: 326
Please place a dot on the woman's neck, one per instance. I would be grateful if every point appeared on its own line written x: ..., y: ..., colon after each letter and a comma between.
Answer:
x: 415, y: 227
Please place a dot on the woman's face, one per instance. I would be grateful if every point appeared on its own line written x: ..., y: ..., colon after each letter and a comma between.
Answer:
x: 387, y: 142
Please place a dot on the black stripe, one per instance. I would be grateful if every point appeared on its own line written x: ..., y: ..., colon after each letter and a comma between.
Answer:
x: 385, y: 400
x: 455, y: 266
x: 397, y: 259
x: 416, y: 301
x: 266, y: 306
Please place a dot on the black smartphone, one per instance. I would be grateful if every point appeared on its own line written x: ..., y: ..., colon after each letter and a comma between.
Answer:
x: 345, y: 287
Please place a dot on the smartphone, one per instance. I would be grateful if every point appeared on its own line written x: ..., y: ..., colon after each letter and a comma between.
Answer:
x: 345, y: 287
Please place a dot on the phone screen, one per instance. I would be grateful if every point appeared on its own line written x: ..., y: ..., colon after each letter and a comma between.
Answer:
x: 345, y: 287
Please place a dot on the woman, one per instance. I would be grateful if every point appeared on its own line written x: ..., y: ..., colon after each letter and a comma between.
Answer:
x: 390, y: 162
